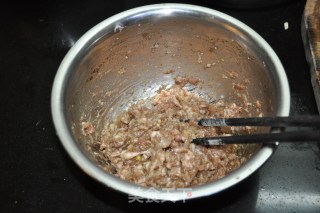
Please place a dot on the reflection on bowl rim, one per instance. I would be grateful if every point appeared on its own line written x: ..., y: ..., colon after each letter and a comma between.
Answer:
x: 69, y: 143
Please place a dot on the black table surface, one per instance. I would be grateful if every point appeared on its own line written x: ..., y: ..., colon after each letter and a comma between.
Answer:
x: 37, y: 175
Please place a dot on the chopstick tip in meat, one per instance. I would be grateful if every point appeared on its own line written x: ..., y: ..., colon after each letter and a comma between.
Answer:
x: 207, y: 142
x: 212, y: 122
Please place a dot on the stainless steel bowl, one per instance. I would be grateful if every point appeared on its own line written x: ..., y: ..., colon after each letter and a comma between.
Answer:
x: 123, y: 59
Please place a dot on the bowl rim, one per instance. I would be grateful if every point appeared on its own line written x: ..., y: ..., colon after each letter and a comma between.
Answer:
x: 72, y: 148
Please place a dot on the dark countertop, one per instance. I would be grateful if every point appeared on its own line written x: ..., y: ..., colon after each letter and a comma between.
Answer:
x: 37, y: 175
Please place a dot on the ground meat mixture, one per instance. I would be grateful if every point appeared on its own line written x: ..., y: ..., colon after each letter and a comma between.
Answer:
x: 150, y: 143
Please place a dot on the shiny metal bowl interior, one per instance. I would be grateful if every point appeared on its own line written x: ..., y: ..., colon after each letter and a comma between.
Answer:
x: 123, y: 59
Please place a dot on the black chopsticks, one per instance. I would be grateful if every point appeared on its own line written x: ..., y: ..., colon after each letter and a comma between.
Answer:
x: 263, y: 121
x: 301, y: 136
x: 304, y: 136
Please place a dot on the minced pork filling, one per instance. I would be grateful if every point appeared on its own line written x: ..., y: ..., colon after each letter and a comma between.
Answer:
x: 150, y: 143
